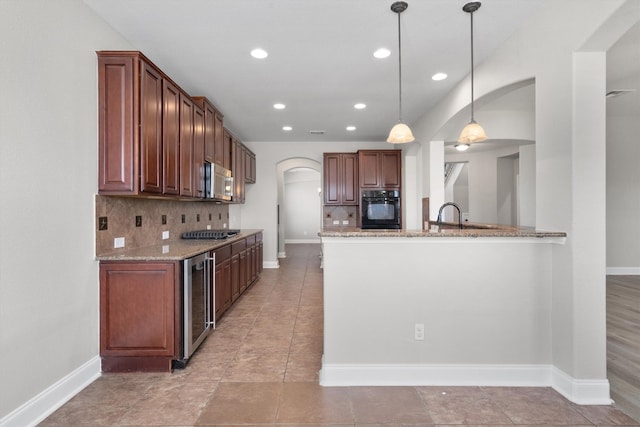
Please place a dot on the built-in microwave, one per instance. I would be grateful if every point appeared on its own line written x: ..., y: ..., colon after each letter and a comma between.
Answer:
x: 218, y: 182
x: 380, y: 209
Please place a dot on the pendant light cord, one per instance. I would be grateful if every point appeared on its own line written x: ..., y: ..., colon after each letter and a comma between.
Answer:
x: 399, y: 71
x: 472, y: 117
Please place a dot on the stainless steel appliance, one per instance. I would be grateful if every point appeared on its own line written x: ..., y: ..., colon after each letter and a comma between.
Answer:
x: 218, y: 182
x: 214, y: 234
x: 380, y: 209
x: 197, y: 296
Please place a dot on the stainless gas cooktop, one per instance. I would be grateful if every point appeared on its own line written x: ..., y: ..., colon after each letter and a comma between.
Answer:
x: 210, y: 234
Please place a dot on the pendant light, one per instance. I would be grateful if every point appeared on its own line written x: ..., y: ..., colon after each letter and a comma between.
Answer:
x: 472, y: 132
x: 400, y: 133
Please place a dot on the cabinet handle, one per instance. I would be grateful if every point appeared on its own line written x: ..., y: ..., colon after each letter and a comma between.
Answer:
x: 210, y: 291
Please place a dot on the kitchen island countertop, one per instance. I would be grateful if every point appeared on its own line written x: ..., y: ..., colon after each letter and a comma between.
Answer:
x: 475, y: 230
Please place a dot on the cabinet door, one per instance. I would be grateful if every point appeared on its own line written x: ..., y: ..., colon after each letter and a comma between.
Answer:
x: 198, y: 151
x: 390, y: 169
x: 218, y: 303
x: 150, y: 129
x: 249, y: 167
x: 171, y: 138
x: 227, y: 142
x: 238, y: 153
x: 219, y: 145
x: 349, y: 187
x: 186, y: 146
x: 139, y: 309
x: 210, y: 132
x: 235, y: 276
x: 332, y: 179
x: 223, y: 287
x: 243, y: 270
x: 369, y: 165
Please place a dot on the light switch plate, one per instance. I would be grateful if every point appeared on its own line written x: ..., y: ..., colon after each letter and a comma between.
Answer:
x: 118, y: 242
x: 165, y: 235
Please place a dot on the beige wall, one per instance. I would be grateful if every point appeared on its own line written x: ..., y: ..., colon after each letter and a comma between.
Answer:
x: 48, y: 179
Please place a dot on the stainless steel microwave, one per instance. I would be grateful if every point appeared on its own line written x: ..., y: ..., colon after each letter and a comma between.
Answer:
x: 218, y: 182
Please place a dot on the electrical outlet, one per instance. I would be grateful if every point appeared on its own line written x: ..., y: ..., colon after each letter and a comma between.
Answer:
x: 164, y: 220
x: 419, y: 331
x: 208, y: 226
x: 118, y: 242
x: 138, y: 220
x: 336, y: 222
x: 103, y: 223
x: 165, y: 235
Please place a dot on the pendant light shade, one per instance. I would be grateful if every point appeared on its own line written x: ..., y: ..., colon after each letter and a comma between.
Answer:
x: 400, y: 133
x: 472, y: 132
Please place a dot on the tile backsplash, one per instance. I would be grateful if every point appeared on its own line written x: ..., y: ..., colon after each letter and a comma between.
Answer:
x: 142, y: 221
x: 339, y: 216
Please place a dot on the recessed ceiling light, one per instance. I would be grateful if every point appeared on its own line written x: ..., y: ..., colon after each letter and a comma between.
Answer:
x: 360, y: 106
x: 382, y: 53
x: 259, y: 53
x: 287, y: 128
x: 351, y: 128
x: 439, y: 76
x: 279, y: 106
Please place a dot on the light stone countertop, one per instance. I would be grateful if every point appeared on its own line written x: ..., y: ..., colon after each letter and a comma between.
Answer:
x: 469, y: 230
x: 174, y: 250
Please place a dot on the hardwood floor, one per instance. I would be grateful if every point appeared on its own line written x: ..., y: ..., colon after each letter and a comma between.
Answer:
x: 623, y: 342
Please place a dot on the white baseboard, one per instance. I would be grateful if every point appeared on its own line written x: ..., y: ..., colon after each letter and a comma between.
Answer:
x: 56, y: 395
x: 297, y: 241
x: 623, y: 271
x: 270, y: 264
x: 582, y: 392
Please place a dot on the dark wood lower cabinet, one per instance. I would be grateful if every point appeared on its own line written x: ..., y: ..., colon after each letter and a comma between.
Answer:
x: 141, y: 305
x: 139, y: 315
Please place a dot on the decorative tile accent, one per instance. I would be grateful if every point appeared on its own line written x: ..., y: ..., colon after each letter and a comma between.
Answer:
x: 347, y: 216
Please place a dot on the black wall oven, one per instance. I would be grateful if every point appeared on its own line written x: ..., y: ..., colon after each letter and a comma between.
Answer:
x: 380, y: 209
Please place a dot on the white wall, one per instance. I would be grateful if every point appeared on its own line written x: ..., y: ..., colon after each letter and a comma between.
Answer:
x: 570, y: 158
x: 302, y: 206
x: 48, y: 178
x: 259, y: 210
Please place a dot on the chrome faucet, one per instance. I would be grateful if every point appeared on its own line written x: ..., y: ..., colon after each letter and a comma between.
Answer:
x: 455, y: 206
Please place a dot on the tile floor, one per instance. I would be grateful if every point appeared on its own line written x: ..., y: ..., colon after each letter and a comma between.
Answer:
x: 260, y: 367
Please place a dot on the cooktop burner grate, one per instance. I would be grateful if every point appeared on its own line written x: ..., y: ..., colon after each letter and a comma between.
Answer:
x: 209, y: 234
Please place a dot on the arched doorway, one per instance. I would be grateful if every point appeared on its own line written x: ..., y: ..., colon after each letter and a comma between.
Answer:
x: 298, y: 182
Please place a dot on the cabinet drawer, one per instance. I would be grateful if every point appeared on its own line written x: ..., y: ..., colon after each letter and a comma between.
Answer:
x: 238, y: 246
x: 222, y: 253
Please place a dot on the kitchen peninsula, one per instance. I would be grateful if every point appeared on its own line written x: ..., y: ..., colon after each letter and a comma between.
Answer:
x: 455, y: 307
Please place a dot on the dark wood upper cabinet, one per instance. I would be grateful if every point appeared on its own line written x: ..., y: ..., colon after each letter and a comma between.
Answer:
x: 171, y: 138
x: 130, y: 124
x: 249, y: 167
x: 150, y: 129
x: 341, y: 179
x: 380, y: 169
x: 154, y: 138
x: 214, y: 142
x: 198, y: 150
x: 238, y: 153
x: 186, y: 146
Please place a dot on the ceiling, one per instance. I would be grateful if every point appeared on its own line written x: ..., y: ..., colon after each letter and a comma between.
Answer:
x: 320, y: 59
